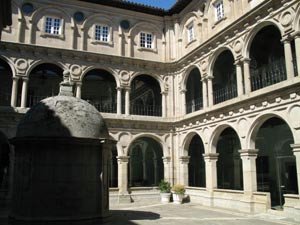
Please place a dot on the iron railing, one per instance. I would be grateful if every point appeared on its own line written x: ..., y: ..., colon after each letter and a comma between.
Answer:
x: 194, y: 105
x: 105, y: 107
x: 267, y: 75
x: 146, y: 110
x: 225, y: 93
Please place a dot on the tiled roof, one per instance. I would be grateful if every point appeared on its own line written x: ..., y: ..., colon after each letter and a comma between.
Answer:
x: 127, y: 4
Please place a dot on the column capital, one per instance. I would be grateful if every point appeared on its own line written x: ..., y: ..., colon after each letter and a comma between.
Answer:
x: 164, y: 92
x: 16, y: 78
x: 204, y: 78
x: 209, y: 77
x: 211, y: 156
x: 238, y: 62
x: 246, y: 60
x: 78, y: 83
x: 166, y: 159
x: 123, y: 159
x: 286, y: 40
x: 295, y: 147
x: 248, y: 152
x: 184, y: 159
x: 183, y: 90
x: 26, y: 79
x: 296, y: 34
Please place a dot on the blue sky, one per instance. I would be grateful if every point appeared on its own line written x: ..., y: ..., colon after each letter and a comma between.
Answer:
x: 165, y: 4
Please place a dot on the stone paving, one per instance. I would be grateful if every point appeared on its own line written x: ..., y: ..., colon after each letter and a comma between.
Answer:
x: 185, y: 214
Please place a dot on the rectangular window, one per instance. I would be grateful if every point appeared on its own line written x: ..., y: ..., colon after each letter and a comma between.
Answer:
x: 191, y: 35
x: 146, y: 40
x: 53, y: 26
x: 219, y: 10
x: 101, y: 33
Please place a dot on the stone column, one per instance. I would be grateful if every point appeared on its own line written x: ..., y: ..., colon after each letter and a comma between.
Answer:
x: 123, y: 175
x: 249, y: 169
x: 184, y: 170
x: 204, y: 92
x: 296, y: 151
x: 237, y: 169
x: 183, y: 100
x: 14, y: 92
x: 24, y: 92
x: 211, y: 170
x: 288, y: 59
x: 129, y: 46
x: 163, y: 104
x: 247, y: 75
x: 119, y: 101
x: 127, y: 101
x: 167, y: 168
x: 78, y: 89
x: 210, y: 91
x: 297, y: 47
x: 239, y: 78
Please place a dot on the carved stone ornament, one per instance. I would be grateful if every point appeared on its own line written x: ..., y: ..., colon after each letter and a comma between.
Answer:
x: 286, y: 18
x: 294, y: 113
x: 237, y: 47
x: 125, y: 76
x: 203, y: 65
x: 76, y: 70
x: 21, y: 65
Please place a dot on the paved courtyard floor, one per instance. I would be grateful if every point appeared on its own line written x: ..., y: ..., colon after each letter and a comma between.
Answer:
x: 185, y: 214
x: 189, y: 214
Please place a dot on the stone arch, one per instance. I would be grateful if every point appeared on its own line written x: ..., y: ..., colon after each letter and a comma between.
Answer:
x: 95, y: 18
x: 187, y: 73
x: 252, y: 33
x: 189, y: 18
x: 156, y: 77
x: 215, y: 56
x: 6, y: 82
x: 152, y: 136
x: 258, y: 122
x: 108, y: 69
x: 42, y: 61
x: 297, y: 20
x: 216, y: 134
x: 187, y: 140
x: 10, y: 63
x: 149, y: 26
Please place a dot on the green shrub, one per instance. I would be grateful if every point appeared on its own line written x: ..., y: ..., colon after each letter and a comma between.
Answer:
x: 164, y: 186
x: 178, y: 189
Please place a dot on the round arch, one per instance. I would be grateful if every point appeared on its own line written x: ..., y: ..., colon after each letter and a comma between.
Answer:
x: 97, y: 17
x: 216, y: 134
x: 149, y: 26
x: 187, y: 73
x: 216, y: 55
x: 187, y: 140
x: 252, y: 33
x: 9, y: 63
x: 297, y: 21
x: 107, y: 69
x: 155, y: 77
x: 40, y: 62
x: 258, y: 122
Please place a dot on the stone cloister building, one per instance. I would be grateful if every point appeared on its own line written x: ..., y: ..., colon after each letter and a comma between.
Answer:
x: 205, y: 94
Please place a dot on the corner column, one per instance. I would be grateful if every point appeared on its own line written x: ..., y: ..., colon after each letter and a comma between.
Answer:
x: 249, y: 169
x: 184, y: 170
x: 24, y: 92
x: 210, y: 91
x: 163, y: 103
x: 183, y: 100
x: 119, y: 101
x: 247, y: 75
x: 167, y: 168
x: 288, y: 59
x: 211, y: 170
x: 78, y: 89
x: 204, y: 92
x: 127, y: 101
x: 14, y: 92
x: 123, y: 178
x: 297, y: 48
x: 239, y: 78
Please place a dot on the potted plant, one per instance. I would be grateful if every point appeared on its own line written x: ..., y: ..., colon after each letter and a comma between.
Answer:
x: 178, y: 191
x: 165, y: 191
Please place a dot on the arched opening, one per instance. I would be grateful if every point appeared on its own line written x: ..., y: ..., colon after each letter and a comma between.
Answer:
x: 196, y: 164
x: 4, y: 164
x: 146, y: 164
x: 193, y: 95
x: 275, y: 164
x: 44, y: 82
x: 113, y: 167
x: 145, y: 96
x: 5, y: 83
x: 229, y: 164
x: 99, y: 88
x: 267, y: 65
x: 224, y: 81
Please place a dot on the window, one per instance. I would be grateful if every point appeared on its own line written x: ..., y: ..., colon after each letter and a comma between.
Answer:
x: 101, y: 33
x: 146, y: 40
x: 53, y: 25
x: 190, y: 33
x: 219, y: 10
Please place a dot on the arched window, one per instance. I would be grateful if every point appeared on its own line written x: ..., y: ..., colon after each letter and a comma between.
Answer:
x: 229, y: 164
x: 196, y: 163
x: 194, y: 100
x: 267, y: 65
x: 146, y: 164
x: 5, y: 83
x: 44, y: 82
x: 99, y: 88
x: 224, y: 81
x: 275, y: 164
x: 145, y: 96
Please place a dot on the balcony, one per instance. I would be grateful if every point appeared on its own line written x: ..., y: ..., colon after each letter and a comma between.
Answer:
x: 146, y: 110
x: 194, y: 105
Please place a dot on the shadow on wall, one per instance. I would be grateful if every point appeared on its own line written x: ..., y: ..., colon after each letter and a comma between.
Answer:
x: 126, y: 217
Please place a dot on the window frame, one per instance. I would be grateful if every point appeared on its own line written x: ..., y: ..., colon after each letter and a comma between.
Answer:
x: 219, y: 10
x: 61, y: 28
x: 190, y: 33
x: 147, y: 44
x: 109, y: 40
